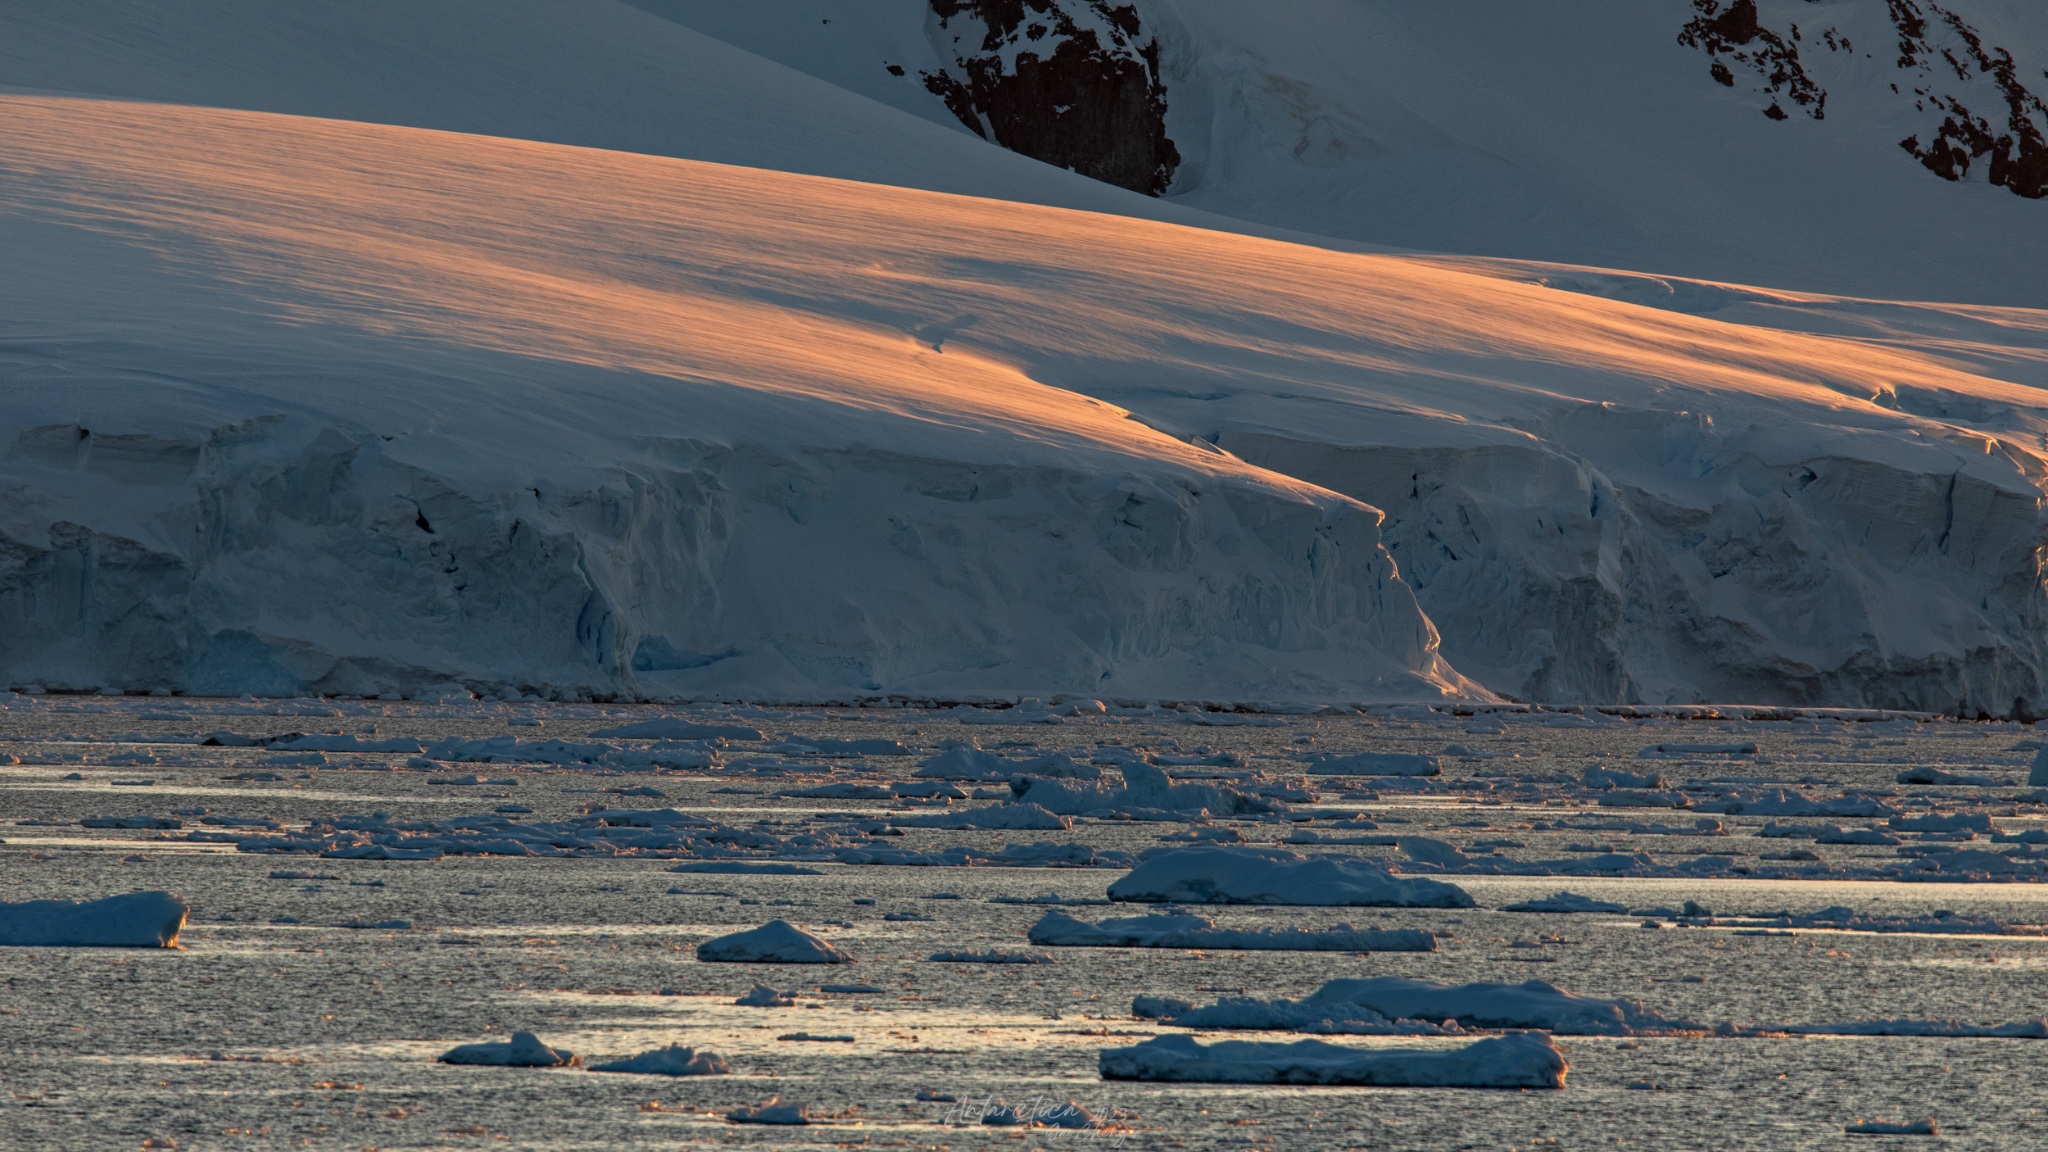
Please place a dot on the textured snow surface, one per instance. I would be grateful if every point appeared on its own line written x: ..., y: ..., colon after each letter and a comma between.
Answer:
x: 136, y: 920
x: 1519, y: 1060
x: 1276, y: 876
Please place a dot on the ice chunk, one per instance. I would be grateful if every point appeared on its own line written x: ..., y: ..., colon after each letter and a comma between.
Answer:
x: 524, y: 1050
x: 345, y: 743
x: 991, y: 956
x: 1372, y: 764
x: 677, y: 730
x: 1058, y: 929
x: 154, y: 822
x: 762, y: 996
x: 674, y: 1060
x: 1629, y: 798
x: 1232, y: 875
x: 1519, y: 1060
x: 771, y: 1111
x: 1567, y: 902
x: 968, y: 762
x: 842, y: 790
x: 2038, y: 774
x: 1021, y: 817
x: 1159, y: 1007
x: 1373, y: 1003
x: 1145, y: 787
x: 1925, y: 1127
x: 1925, y: 774
x: 927, y: 790
x: 1944, y: 822
x: 134, y: 920
x: 1596, y: 776
x: 776, y: 942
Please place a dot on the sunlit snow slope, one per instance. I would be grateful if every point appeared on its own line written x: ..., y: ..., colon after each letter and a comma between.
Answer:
x: 298, y: 404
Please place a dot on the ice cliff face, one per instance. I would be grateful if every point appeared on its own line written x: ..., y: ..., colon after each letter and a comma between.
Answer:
x: 280, y: 425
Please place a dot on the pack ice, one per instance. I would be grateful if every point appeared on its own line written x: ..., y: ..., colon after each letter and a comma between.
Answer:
x: 136, y: 920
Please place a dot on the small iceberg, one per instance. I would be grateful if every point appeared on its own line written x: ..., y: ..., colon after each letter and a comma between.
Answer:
x: 1519, y: 1060
x: 992, y: 818
x: 1567, y: 902
x: 674, y: 1060
x: 991, y: 956
x: 1228, y: 875
x: 1058, y: 929
x: 135, y: 920
x: 762, y: 996
x: 524, y: 1050
x: 771, y: 1111
x: 776, y: 942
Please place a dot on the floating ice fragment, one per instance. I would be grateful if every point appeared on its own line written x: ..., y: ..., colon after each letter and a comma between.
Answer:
x: 1393, y: 1004
x: 771, y: 1111
x: 524, y: 1050
x: 1893, y: 1128
x: 762, y: 996
x: 674, y: 1060
x: 1277, y: 876
x: 776, y: 942
x: 1519, y: 1060
x: 134, y: 920
x: 1567, y: 902
x: 1058, y: 929
x: 991, y: 956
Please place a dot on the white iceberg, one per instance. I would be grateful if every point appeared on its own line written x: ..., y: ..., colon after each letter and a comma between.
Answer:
x: 776, y: 942
x: 771, y: 1111
x: 1567, y: 902
x: 134, y: 920
x: 524, y: 1050
x: 762, y: 996
x: 1231, y: 875
x: 1380, y: 1004
x: 674, y: 1060
x: 1057, y: 929
x: 1519, y: 1060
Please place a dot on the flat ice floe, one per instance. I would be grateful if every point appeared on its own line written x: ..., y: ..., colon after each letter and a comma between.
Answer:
x: 1520, y: 1060
x: 134, y: 920
x: 1566, y: 902
x: 1058, y: 929
x: 776, y: 942
x: 773, y: 1110
x: 1393, y: 1005
x: 674, y: 1060
x: 1277, y: 876
x: 524, y: 1050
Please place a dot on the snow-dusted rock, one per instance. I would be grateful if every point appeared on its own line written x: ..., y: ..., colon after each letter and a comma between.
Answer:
x: 1518, y: 1060
x: 135, y: 920
x: 776, y: 942
x: 524, y: 1050
x: 1186, y: 931
x: 674, y: 1060
x: 1277, y: 876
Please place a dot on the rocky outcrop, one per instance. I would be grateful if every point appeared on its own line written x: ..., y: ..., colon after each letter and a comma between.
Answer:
x: 1071, y: 82
x: 1971, y: 93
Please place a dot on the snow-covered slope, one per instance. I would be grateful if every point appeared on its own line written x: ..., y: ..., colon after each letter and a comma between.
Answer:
x: 296, y: 404
x: 1584, y: 134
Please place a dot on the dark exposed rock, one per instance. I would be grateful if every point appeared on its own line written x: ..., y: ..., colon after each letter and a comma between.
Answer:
x: 1070, y: 82
x: 1735, y: 33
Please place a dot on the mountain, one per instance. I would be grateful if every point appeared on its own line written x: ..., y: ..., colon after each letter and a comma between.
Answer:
x: 680, y: 349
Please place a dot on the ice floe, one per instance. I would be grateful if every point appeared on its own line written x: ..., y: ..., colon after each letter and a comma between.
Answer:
x: 674, y: 1060
x: 133, y: 920
x: 1234, y: 875
x: 1395, y: 1005
x: 762, y: 996
x: 524, y: 1050
x: 773, y: 1110
x: 1020, y: 817
x: 776, y: 942
x: 1372, y: 764
x: 990, y: 956
x: 1926, y: 1127
x: 1566, y: 902
x: 1519, y: 1060
x: 1057, y: 929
